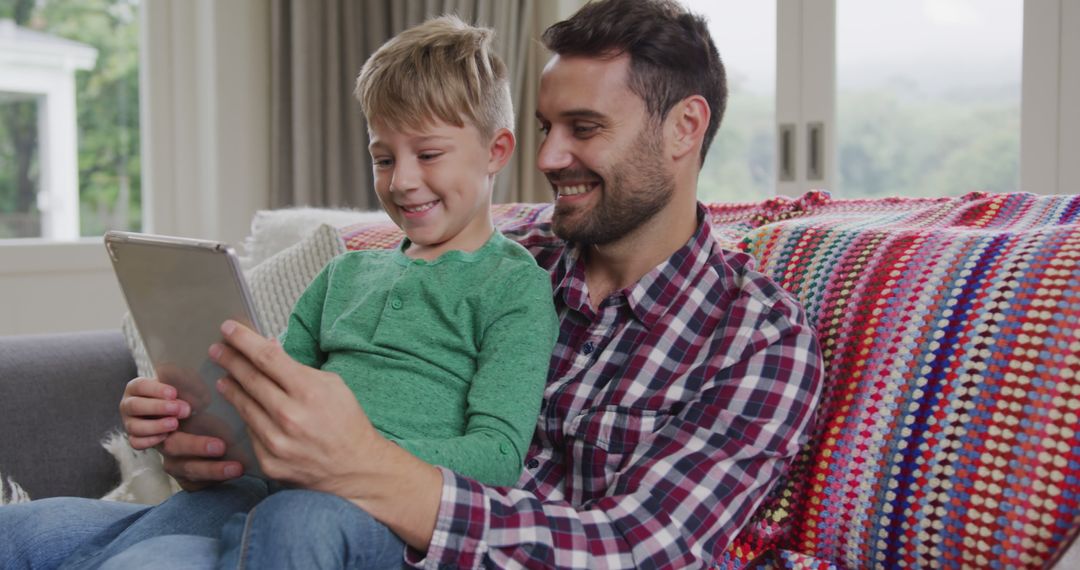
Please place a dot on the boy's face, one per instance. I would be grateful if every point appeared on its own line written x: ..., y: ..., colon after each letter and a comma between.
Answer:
x: 436, y: 184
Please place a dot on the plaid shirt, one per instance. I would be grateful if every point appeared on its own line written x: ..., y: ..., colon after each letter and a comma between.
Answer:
x: 669, y: 413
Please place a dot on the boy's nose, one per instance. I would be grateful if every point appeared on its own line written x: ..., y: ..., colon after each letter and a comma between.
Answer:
x: 405, y: 178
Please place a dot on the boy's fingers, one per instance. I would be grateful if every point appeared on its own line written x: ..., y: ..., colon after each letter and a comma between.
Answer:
x: 153, y: 407
x: 150, y: 388
x: 150, y: 428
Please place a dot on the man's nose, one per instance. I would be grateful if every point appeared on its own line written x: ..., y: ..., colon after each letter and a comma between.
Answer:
x: 554, y: 154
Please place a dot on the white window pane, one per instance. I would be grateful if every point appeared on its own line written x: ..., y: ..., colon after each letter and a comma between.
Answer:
x: 740, y: 164
x: 928, y: 96
x: 56, y: 51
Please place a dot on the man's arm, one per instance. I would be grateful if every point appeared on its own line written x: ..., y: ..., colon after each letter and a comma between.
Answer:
x: 686, y: 488
x: 308, y: 430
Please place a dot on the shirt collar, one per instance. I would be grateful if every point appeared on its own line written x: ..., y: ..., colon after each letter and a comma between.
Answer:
x: 653, y: 295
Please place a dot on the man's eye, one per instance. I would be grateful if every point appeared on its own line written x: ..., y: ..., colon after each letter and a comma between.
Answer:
x: 585, y: 130
x: 544, y: 128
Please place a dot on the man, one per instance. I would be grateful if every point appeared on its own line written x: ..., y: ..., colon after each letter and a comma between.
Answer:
x: 682, y: 382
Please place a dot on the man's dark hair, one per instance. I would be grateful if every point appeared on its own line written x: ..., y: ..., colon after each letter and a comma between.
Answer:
x: 672, y: 55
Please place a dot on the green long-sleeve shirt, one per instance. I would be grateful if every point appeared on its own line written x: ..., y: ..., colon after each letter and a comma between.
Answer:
x: 448, y: 357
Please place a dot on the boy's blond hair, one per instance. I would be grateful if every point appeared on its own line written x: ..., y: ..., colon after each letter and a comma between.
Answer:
x: 443, y: 69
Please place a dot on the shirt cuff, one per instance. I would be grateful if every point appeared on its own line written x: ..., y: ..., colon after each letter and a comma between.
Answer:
x: 460, y: 526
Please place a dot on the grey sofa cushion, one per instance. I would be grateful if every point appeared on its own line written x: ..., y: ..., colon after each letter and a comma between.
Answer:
x: 58, y: 399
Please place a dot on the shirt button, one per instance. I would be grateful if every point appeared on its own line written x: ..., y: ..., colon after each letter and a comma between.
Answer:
x: 588, y: 348
x: 395, y: 303
x: 533, y: 463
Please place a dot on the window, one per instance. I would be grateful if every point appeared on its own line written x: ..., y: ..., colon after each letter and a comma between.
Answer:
x: 928, y: 105
x: 884, y: 98
x: 69, y: 118
x: 740, y: 164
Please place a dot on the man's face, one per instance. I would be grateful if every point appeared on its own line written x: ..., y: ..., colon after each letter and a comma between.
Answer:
x: 602, y: 153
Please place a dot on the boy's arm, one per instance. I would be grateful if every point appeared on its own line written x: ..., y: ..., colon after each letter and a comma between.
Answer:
x: 504, y: 394
x: 301, y: 337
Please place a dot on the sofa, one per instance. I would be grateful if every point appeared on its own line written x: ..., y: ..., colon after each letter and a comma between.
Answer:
x: 946, y: 435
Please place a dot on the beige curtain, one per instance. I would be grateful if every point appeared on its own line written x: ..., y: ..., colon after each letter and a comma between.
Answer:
x: 319, y: 139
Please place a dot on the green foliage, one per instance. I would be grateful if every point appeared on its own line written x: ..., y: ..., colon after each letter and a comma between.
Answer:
x: 107, y: 106
x: 891, y: 143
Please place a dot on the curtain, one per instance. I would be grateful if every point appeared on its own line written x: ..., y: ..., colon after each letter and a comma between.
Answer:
x: 318, y: 136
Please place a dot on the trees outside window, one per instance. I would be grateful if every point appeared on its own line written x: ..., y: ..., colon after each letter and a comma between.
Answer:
x: 107, y: 103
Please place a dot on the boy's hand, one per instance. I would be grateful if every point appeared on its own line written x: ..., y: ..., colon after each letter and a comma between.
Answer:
x: 150, y: 411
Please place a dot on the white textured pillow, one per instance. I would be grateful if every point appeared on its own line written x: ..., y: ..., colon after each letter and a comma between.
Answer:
x: 275, y: 230
x: 275, y: 285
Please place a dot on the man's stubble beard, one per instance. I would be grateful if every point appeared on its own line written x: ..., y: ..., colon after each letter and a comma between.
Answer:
x: 624, y: 205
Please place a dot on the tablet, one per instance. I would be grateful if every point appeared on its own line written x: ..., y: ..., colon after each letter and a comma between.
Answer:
x: 179, y: 292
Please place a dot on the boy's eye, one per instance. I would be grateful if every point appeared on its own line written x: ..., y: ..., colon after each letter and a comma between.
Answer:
x: 545, y: 128
x: 429, y: 155
x: 382, y: 162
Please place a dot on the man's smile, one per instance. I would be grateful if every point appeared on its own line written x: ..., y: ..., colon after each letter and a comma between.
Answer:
x: 575, y: 189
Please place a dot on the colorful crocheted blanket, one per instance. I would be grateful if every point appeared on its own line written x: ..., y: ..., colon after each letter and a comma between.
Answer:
x: 950, y: 328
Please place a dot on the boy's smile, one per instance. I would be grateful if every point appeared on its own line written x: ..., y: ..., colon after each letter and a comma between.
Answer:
x: 435, y: 183
x: 417, y: 211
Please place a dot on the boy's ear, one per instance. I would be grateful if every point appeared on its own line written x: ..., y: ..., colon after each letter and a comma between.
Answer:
x: 688, y: 121
x: 500, y: 150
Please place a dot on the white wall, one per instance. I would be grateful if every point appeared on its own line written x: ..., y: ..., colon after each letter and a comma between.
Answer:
x: 57, y: 287
x: 205, y: 115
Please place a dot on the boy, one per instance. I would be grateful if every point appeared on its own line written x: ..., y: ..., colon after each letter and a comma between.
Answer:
x: 445, y: 341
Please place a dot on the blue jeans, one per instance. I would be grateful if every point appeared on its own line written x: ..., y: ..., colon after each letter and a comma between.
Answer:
x: 308, y: 529
x: 216, y: 527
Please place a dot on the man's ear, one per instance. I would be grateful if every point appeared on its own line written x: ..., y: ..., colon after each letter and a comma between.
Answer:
x: 500, y: 150
x: 688, y: 120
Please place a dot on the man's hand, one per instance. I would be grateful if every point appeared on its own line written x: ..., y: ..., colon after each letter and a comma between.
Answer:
x: 308, y: 429
x: 306, y: 425
x: 193, y: 460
